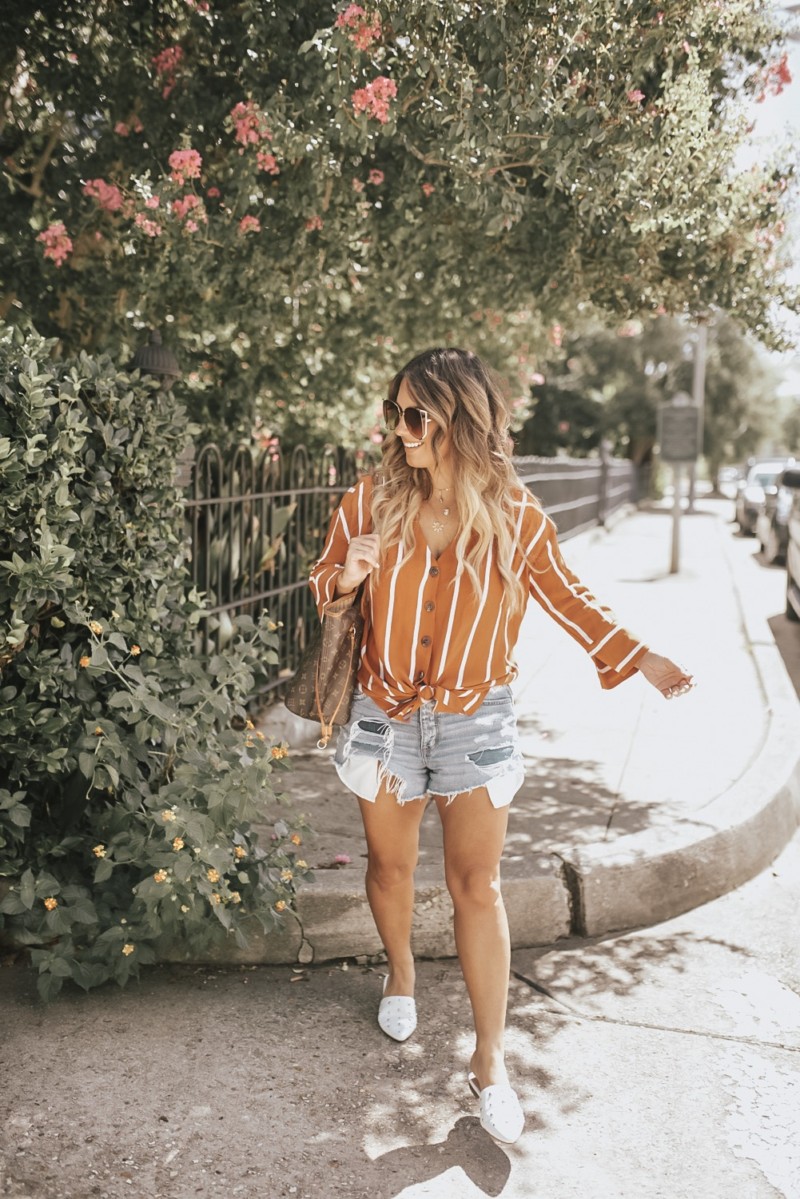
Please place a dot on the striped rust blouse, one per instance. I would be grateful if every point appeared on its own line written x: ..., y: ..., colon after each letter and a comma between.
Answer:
x: 428, y: 636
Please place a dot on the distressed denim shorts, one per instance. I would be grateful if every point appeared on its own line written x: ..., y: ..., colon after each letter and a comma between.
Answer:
x: 438, y: 753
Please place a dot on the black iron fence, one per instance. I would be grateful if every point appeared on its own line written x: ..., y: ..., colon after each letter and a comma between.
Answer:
x: 257, y: 523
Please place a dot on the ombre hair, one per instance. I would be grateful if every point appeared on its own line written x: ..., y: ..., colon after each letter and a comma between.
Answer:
x: 465, y: 398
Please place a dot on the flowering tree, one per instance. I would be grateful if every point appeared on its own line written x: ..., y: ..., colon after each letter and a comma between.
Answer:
x: 305, y: 195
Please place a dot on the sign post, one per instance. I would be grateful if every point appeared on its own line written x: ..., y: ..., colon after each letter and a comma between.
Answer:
x: 679, y: 443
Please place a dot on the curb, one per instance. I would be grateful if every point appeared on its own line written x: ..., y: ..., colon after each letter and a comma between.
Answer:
x: 641, y: 879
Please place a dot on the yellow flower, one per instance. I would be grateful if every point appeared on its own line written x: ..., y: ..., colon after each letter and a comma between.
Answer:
x: 260, y: 736
x: 280, y: 906
x: 272, y: 626
x: 99, y: 851
x: 98, y: 732
x: 85, y: 661
x: 296, y: 839
x: 177, y: 844
x: 50, y: 903
x: 128, y: 949
x: 235, y: 897
x: 286, y: 876
x: 280, y: 751
x: 160, y: 876
x: 301, y: 865
x: 239, y: 851
x: 249, y: 742
x: 167, y: 815
x: 249, y: 725
x: 135, y: 651
x: 212, y: 875
x: 215, y: 898
x: 184, y: 907
x: 96, y: 627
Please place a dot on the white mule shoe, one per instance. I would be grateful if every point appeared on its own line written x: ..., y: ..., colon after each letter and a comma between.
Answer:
x: 501, y: 1114
x: 397, y: 1015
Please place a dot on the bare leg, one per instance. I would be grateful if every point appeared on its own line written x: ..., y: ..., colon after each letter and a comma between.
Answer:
x: 392, y: 832
x: 474, y: 833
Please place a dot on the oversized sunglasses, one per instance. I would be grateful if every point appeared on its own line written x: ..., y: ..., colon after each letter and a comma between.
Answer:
x: 416, y: 419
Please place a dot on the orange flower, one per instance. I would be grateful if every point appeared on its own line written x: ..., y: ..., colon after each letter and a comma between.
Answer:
x: 135, y: 651
x: 212, y: 875
x: 280, y: 906
x: 286, y: 876
x: 85, y: 661
x: 239, y: 851
x: 235, y: 897
x: 279, y: 751
x: 128, y: 949
x: 296, y: 839
x: 160, y: 876
x: 301, y: 865
x: 99, y: 851
x: 167, y: 814
x: 98, y: 732
x: 215, y: 898
x: 96, y: 627
x: 50, y: 903
x: 177, y: 844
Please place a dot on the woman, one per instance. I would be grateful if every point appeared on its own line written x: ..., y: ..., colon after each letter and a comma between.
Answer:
x: 449, y: 546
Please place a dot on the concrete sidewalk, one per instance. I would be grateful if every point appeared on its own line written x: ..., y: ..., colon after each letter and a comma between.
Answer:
x: 634, y: 809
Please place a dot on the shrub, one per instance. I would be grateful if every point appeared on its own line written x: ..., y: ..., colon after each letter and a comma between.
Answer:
x: 129, y: 770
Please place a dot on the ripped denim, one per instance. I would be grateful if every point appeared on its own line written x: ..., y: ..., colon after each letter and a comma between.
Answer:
x: 436, y: 753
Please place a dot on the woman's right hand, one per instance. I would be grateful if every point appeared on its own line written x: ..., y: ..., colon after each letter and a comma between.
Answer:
x: 363, y: 555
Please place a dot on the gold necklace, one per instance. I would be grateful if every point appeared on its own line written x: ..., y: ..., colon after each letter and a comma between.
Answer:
x: 437, y: 525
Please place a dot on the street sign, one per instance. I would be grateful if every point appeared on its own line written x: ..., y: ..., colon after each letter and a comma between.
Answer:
x: 678, y: 432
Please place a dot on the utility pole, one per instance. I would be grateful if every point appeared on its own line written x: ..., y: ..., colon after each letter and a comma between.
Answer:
x: 698, y: 398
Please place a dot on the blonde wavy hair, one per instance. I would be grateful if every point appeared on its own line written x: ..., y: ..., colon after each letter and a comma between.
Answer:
x: 466, y: 399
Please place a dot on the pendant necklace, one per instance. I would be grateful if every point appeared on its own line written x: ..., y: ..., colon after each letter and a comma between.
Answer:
x: 438, y: 525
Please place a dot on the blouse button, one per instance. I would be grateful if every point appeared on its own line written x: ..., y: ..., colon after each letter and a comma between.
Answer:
x: 433, y: 572
x: 425, y: 641
x: 430, y: 606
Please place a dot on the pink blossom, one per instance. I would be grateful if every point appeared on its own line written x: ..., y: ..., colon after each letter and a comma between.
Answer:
x: 108, y: 196
x: 537, y: 379
x: 213, y: 193
x: 186, y: 204
x: 167, y: 61
x: 250, y: 123
x: 358, y: 186
x: 374, y: 98
x: 267, y: 162
x: 775, y: 78
x: 364, y: 30
x: 687, y: 49
x: 375, y: 177
x: 555, y: 335
x: 428, y: 189
x: 122, y: 129
x: 57, y: 242
x: 249, y: 224
x: 635, y: 96
x: 72, y: 57
x: 185, y: 165
x: 151, y: 228
x: 191, y: 226
x: 342, y: 859
x: 152, y: 202
x: 314, y: 222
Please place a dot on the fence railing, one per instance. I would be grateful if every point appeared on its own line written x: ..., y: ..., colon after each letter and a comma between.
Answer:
x: 257, y: 523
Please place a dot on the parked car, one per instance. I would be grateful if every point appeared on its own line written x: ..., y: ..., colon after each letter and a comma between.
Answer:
x: 772, y: 522
x: 728, y: 481
x: 791, y: 480
x: 750, y: 496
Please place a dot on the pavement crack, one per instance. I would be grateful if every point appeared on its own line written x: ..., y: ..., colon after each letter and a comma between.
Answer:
x: 572, y: 882
x: 650, y: 1026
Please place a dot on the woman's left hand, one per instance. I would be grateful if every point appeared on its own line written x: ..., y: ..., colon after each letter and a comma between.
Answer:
x: 671, y: 680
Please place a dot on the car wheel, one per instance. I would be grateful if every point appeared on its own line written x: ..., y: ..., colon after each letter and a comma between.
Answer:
x: 772, y: 550
x: 790, y: 612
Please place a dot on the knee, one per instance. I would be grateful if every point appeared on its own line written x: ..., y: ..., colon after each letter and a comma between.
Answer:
x: 387, y: 871
x: 474, y: 886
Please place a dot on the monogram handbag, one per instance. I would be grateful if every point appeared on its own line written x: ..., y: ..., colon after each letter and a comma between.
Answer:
x: 323, y: 684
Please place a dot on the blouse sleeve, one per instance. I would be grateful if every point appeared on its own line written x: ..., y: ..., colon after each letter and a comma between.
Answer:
x: 352, y: 517
x: 563, y: 596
